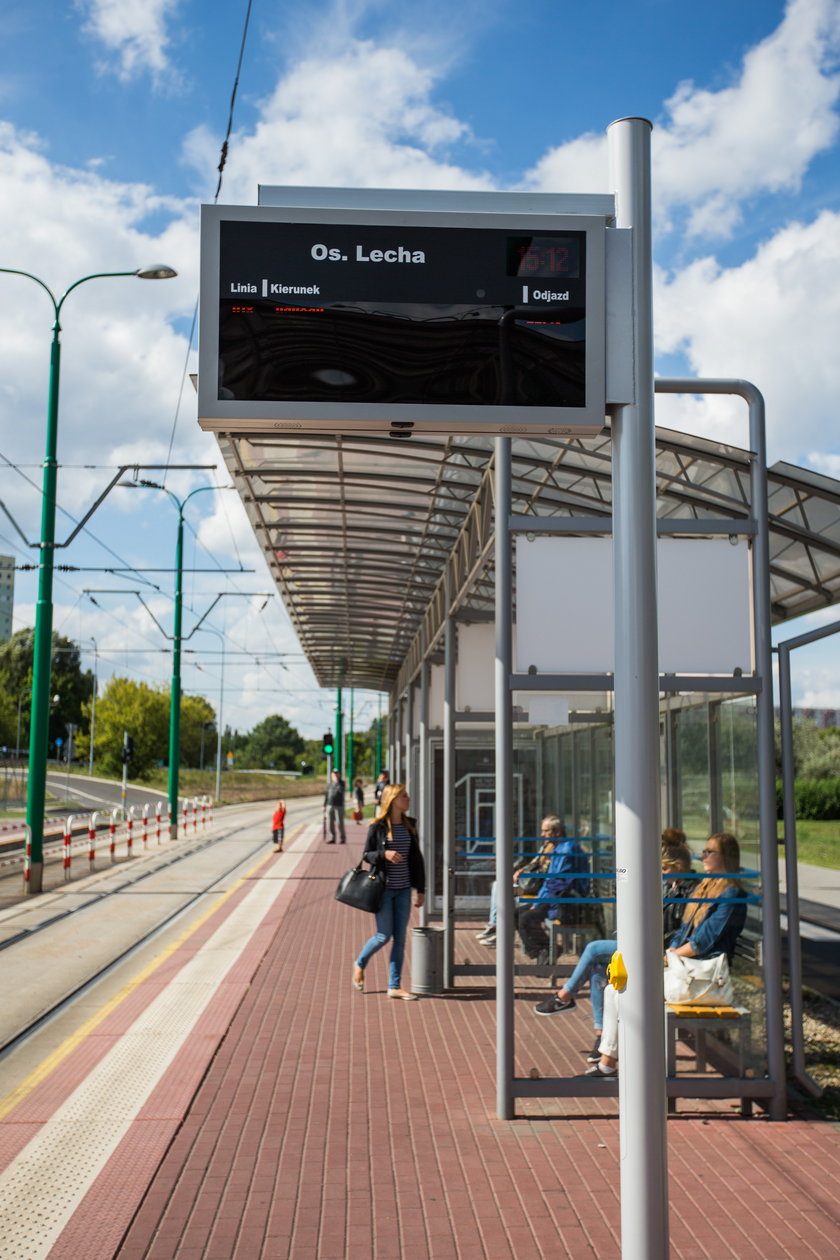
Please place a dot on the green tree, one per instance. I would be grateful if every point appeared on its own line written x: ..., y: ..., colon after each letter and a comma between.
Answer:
x: 198, y: 719
x: 273, y: 743
x: 143, y: 712
x: 72, y: 685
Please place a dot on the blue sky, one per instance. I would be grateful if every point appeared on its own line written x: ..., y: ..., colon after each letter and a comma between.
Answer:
x: 112, y: 114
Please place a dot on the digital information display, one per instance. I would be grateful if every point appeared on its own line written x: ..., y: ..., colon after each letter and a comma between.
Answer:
x: 443, y: 322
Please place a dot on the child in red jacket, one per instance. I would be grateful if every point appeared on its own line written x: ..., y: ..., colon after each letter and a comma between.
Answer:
x: 278, y: 826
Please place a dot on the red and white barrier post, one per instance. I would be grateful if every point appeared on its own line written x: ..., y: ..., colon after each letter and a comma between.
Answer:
x: 68, y: 835
x: 92, y: 840
x: 129, y: 831
x: 157, y: 822
x: 145, y: 828
x: 112, y: 831
x: 27, y: 860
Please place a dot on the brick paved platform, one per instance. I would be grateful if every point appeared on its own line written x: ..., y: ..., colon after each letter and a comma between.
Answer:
x: 334, y: 1124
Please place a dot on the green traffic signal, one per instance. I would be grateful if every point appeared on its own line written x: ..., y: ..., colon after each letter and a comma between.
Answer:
x: 329, y: 746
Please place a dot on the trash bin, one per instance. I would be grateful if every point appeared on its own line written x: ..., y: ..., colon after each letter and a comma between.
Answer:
x: 427, y: 960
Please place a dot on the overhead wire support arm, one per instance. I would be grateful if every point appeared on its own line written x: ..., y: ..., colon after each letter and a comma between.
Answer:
x: 57, y: 546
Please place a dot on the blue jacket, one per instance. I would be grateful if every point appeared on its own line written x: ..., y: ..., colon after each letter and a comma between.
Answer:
x: 721, y: 927
x: 563, y: 877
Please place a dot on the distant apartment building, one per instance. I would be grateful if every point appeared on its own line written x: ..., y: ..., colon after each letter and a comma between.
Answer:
x: 7, y: 597
x: 823, y: 718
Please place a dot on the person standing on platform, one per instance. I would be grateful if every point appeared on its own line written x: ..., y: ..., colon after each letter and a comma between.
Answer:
x: 359, y: 798
x: 278, y: 826
x: 334, y: 806
x: 380, y: 785
x: 392, y: 842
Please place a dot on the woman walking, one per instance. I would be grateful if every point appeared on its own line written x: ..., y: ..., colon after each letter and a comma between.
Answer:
x: 392, y: 842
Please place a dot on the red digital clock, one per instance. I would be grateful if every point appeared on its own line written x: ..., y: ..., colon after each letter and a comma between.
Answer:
x: 547, y: 257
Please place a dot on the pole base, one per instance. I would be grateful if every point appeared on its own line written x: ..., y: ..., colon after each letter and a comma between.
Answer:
x: 35, y: 883
x: 173, y: 831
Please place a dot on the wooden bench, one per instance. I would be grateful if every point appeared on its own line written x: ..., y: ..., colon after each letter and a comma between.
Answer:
x: 700, y: 1020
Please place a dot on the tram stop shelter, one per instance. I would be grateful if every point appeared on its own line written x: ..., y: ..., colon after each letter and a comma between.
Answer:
x: 384, y: 552
x: 438, y: 411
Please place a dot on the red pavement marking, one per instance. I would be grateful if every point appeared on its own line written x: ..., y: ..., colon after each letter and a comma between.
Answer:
x: 106, y: 1210
x: 69, y: 1073
x: 337, y: 1124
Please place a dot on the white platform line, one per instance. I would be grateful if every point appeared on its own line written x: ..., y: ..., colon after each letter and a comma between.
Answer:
x: 43, y: 1186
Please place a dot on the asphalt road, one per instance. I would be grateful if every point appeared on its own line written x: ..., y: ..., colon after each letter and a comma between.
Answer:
x: 94, y: 794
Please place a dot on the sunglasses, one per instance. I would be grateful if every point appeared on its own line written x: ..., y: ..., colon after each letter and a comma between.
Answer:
x: 709, y: 852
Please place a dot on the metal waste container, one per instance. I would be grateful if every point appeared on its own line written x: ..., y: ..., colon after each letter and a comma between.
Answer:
x: 427, y: 960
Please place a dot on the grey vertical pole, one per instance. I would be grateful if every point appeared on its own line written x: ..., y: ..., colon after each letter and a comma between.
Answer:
x: 423, y: 769
x: 715, y: 768
x: 409, y: 736
x: 504, y: 782
x: 768, y: 846
x: 642, y: 1101
x: 448, y: 786
x: 768, y: 843
x: 791, y: 869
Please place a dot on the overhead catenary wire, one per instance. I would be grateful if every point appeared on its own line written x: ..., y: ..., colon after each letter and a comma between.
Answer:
x: 223, y: 156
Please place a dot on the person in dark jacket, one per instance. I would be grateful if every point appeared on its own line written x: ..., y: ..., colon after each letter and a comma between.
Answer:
x: 567, y: 864
x: 392, y: 842
x: 334, y: 806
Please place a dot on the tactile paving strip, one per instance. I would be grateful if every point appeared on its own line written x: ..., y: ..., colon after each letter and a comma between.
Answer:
x: 41, y: 1188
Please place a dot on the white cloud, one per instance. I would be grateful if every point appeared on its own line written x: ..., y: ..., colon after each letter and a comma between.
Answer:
x: 715, y: 150
x: 122, y: 361
x: 772, y: 321
x: 136, y: 32
x: 361, y: 119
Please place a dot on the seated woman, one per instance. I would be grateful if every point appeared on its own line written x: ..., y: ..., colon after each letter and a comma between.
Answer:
x: 709, y: 927
x: 593, y: 962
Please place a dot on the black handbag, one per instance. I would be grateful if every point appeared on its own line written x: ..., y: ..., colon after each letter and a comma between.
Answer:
x: 364, y: 890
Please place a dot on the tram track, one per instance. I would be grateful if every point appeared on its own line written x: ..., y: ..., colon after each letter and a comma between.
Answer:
x: 11, y: 1042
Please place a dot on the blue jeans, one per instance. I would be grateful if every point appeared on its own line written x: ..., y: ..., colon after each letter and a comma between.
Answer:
x: 391, y: 921
x: 592, y: 966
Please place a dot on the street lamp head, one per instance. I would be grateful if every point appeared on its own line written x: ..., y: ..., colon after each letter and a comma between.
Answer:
x: 156, y: 271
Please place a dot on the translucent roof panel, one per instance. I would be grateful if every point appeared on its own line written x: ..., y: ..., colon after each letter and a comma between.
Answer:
x: 357, y: 530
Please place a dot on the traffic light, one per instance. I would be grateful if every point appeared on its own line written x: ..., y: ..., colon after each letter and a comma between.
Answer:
x: 127, y: 751
x: 329, y: 745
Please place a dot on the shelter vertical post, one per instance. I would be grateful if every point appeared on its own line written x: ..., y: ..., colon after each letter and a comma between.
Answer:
x: 409, y: 737
x: 642, y: 1099
x: 504, y: 782
x: 768, y: 844
x: 423, y: 780
x: 448, y: 786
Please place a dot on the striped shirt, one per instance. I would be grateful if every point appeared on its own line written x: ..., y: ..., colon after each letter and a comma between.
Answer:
x: 398, y: 872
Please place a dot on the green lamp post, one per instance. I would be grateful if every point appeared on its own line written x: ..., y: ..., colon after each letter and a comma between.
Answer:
x: 42, y: 647
x: 175, y: 689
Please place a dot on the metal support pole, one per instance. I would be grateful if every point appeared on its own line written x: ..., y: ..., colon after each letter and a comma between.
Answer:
x: 378, y: 767
x: 448, y: 787
x: 350, y: 748
x: 504, y: 783
x: 423, y: 782
x: 92, y: 711
x: 791, y: 866
x: 768, y: 844
x: 175, y: 693
x: 642, y: 1099
x: 409, y: 737
x: 39, y: 713
x: 337, y: 755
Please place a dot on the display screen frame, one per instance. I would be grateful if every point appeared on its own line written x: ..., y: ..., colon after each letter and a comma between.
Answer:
x: 243, y: 415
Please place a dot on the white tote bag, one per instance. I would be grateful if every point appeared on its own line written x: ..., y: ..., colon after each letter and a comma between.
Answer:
x: 698, y: 981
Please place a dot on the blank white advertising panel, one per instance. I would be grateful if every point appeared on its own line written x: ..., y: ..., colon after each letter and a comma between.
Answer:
x: 564, y: 601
